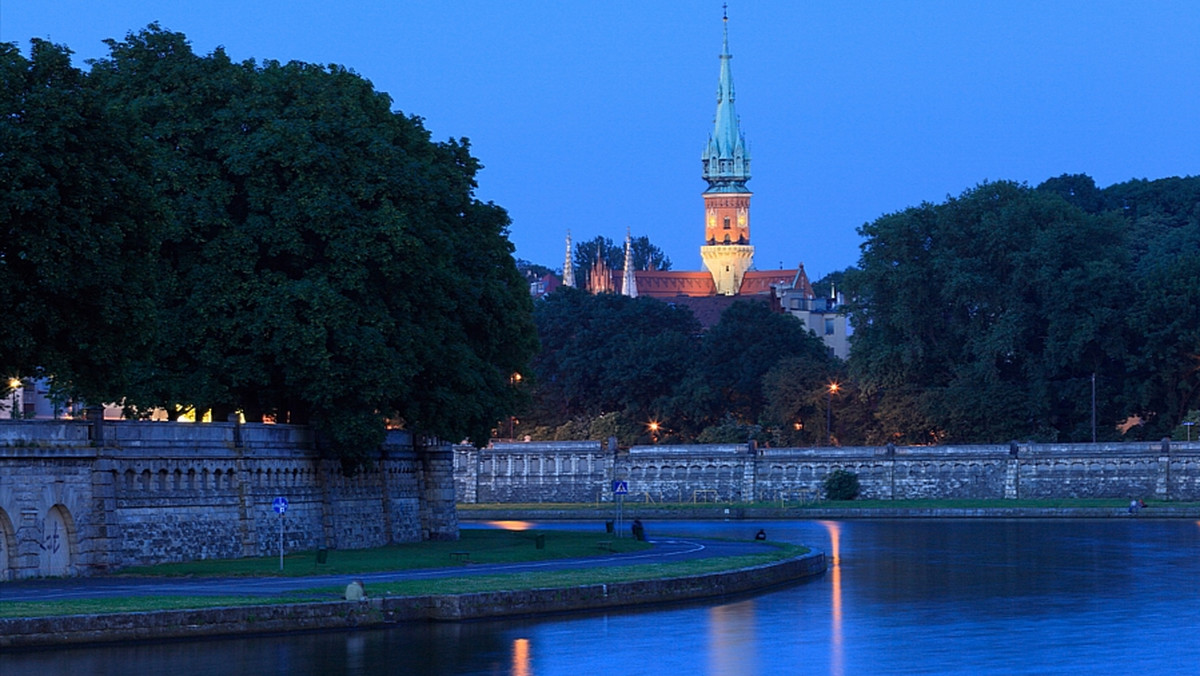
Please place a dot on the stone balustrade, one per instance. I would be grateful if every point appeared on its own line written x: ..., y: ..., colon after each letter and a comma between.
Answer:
x: 583, y: 472
x: 77, y: 499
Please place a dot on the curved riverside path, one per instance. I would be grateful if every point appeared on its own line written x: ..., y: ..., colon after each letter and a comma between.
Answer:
x: 665, y: 550
x: 386, y: 610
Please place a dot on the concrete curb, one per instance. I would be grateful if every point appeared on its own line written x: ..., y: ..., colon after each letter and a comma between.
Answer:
x: 377, y: 612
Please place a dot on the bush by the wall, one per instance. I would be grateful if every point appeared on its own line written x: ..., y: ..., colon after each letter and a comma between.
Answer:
x: 841, y: 485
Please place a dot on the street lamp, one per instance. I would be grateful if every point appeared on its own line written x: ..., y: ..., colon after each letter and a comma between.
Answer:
x: 833, y: 388
x: 653, y: 426
x: 14, y: 384
x: 1189, y: 425
x: 513, y: 380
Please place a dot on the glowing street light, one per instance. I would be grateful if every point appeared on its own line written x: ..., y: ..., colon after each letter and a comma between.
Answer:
x: 14, y: 384
x: 833, y: 388
x: 653, y: 426
x: 513, y: 380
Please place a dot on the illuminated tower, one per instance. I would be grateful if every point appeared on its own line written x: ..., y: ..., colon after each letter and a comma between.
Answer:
x: 727, y: 253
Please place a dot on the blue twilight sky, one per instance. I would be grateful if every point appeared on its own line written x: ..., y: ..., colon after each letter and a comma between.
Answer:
x: 591, y: 116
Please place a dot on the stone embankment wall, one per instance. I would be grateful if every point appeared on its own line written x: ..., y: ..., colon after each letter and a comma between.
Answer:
x: 583, y: 472
x: 77, y: 498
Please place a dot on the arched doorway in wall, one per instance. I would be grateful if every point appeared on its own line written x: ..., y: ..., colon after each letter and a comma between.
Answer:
x: 58, y: 537
x: 7, y: 546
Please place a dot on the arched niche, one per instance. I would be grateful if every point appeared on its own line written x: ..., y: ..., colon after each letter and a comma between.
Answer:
x: 57, y: 543
x: 8, y: 546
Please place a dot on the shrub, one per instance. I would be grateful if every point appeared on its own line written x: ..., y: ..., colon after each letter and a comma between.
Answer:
x: 841, y: 485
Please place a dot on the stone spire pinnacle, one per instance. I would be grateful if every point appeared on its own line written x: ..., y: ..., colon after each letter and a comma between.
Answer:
x: 726, y: 159
x: 629, y: 281
x: 568, y: 265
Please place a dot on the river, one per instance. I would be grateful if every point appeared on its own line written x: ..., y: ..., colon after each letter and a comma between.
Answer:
x: 955, y: 596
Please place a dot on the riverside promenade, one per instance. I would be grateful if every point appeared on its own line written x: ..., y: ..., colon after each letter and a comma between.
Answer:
x: 384, y: 610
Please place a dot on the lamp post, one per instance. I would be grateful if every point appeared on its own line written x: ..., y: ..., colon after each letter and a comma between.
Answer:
x: 833, y: 388
x: 653, y: 427
x: 1189, y: 424
x: 512, y: 420
x: 1093, y: 407
x: 14, y: 384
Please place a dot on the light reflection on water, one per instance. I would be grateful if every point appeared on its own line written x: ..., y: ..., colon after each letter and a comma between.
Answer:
x: 833, y: 555
x: 900, y: 597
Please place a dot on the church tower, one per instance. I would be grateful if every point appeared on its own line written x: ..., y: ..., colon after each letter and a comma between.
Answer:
x: 727, y: 253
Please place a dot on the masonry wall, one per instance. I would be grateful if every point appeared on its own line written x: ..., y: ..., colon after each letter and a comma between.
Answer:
x: 565, y: 471
x: 584, y: 471
x: 77, y: 498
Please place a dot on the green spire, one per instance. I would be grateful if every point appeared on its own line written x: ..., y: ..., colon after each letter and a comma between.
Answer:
x: 726, y: 159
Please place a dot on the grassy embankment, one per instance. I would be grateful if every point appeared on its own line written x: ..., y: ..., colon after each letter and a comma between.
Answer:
x: 798, y: 509
x: 484, y: 546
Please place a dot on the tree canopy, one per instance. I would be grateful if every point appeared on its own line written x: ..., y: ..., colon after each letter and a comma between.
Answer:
x: 994, y: 314
x: 642, y: 370
x: 295, y: 248
x: 79, y: 228
x: 608, y: 353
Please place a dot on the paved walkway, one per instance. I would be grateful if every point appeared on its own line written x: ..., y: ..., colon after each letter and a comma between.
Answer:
x: 665, y: 550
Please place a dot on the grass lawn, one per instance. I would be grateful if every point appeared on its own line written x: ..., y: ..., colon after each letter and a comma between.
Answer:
x: 478, y: 546
x: 485, y: 546
x: 454, y: 585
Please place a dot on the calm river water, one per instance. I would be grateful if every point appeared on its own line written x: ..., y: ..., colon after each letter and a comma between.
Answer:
x: 1118, y: 596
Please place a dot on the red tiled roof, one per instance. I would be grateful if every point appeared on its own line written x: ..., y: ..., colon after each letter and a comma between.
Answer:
x: 669, y: 284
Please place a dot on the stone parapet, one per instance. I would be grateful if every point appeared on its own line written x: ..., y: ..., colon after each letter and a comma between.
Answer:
x: 556, y: 472
x: 156, y: 492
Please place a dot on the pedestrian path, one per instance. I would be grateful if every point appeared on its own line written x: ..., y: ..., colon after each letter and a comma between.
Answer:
x: 664, y: 550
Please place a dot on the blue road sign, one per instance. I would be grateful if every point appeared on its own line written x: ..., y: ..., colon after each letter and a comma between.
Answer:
x: 280, y: 505
x: 621, y: 487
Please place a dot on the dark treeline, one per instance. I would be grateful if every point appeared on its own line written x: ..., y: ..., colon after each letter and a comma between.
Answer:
x: 641, y: 370
x: 990, y: 317
x: 183, y: 232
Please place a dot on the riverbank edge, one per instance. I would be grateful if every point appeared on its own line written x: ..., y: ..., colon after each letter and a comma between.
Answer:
x: 385, y: 611
x: 701, y: 513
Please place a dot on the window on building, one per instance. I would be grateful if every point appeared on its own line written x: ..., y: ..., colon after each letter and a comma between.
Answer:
x: 726, y: 222
x: 829, y: 327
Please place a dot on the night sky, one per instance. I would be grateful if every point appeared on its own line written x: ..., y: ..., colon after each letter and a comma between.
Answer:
x: 591, y: 116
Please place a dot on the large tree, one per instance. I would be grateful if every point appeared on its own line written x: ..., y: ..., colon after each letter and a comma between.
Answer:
x: 608, y: 353
x: 728, y: 380
x: 990, y: 315
x: 321, y: 260
x: 1162, y: 218
x: 79, y: 229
